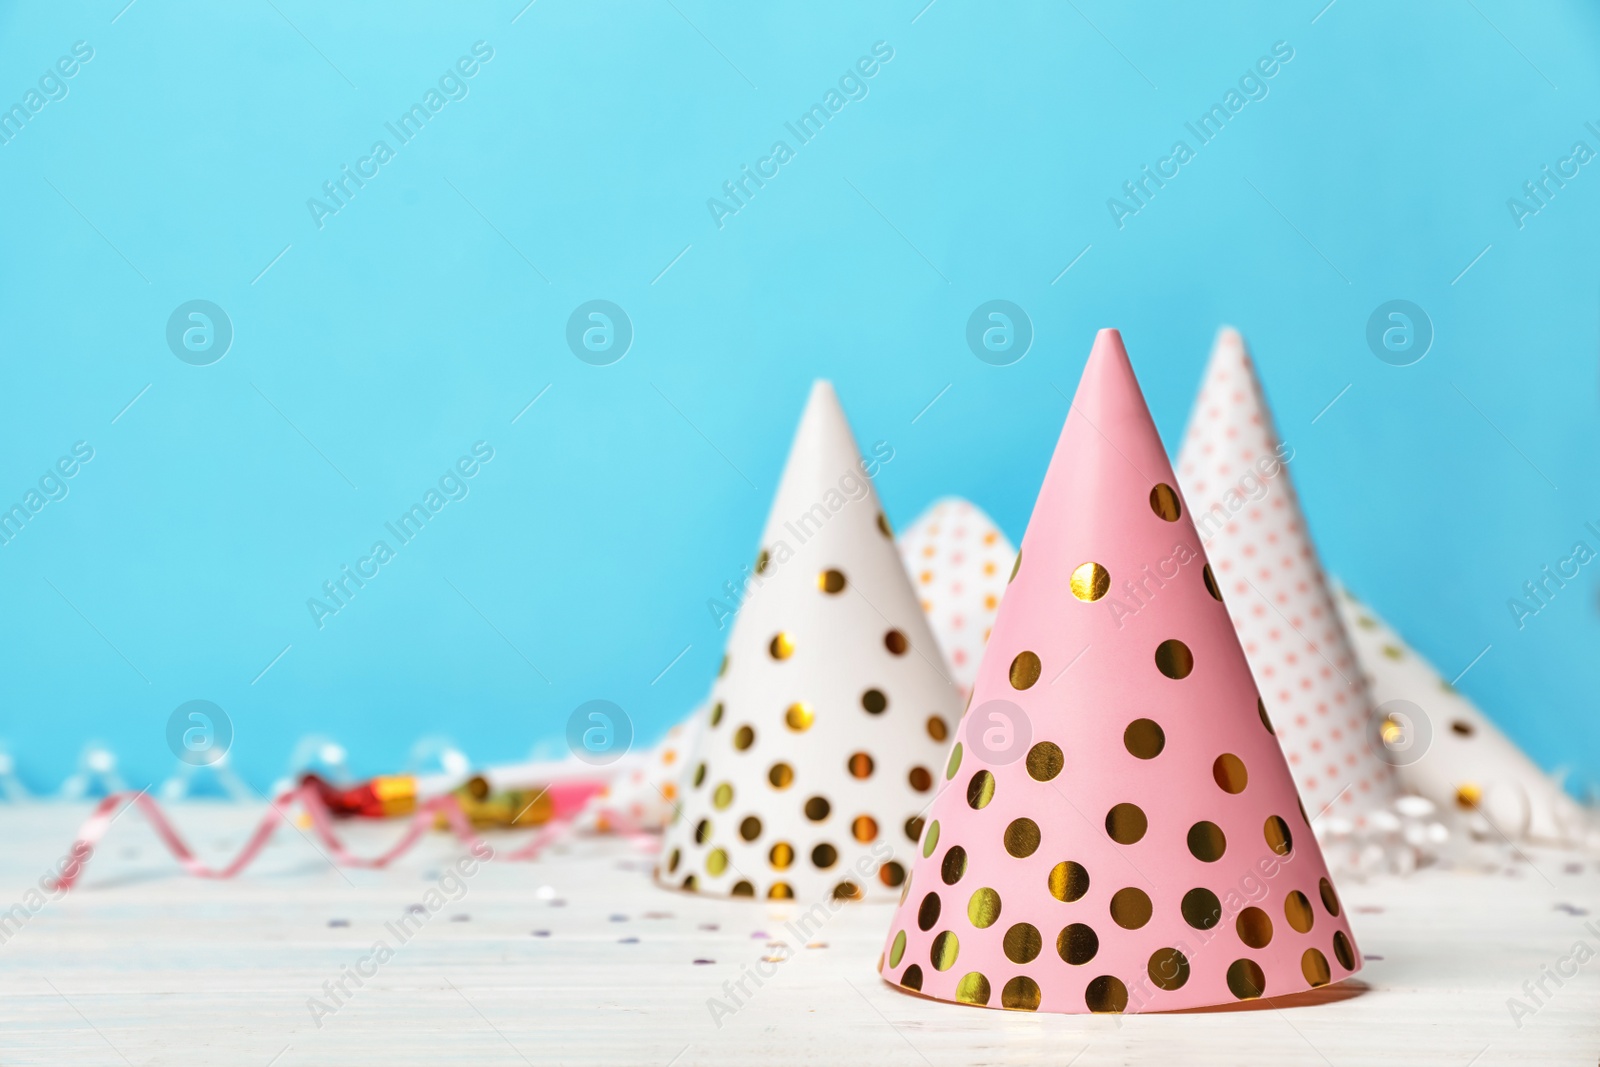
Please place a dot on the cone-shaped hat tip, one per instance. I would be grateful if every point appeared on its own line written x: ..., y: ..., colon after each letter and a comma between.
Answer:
x: 1229, y: 338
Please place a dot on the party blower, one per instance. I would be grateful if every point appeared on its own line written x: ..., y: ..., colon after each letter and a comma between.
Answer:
x: 1119, y: 830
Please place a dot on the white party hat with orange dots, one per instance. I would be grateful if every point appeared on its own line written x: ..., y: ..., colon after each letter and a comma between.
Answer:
x: 1235, y: 476
x: 831, y: 713
x: 959, y: 562
x: 1119, y: 831
x: 642, y: 795
x: 1456, y: 756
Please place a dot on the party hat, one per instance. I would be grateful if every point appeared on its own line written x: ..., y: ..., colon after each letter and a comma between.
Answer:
x: 1236, y: 479
x: 1455, y: 756
x: 958, y: 560
x: 830, y: 717
x: 1119, y: 831
x: 641, y: 796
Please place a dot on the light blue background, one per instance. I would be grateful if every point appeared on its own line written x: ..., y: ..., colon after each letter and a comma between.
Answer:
x: 416, y: 322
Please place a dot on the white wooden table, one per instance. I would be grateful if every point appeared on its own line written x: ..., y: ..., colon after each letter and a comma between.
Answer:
x: 579, y: 959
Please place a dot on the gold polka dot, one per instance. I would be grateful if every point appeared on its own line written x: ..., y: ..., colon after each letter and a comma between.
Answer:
x: 1069, y: 881
x: 1344, y: 951
x: 750, y: 828
x: 1330, y: 899
x: 716, y: 714
x: 891, y: 874
x: 781, y: 646
x: 1168, y: 968
x: 954, y: 764
x: 937, y: 728
x: 716, y: 861
x: 674, y: 859
x: 1297, y: 909
x: 1261, y: 706
x: 1201, y: 909
x: 1254, y: 927
x: 1314, y: 965
x: 761, y: 562
x: 1022, y: 943
x: 898, y: 949
x: 831, y: 581
x: 690, y: 882
x: 954, y: 865
x: 1144, y: 738
x: 896, y: 642
x: 1229, y: 773
x: 980, y: 790
x: 864, y: 828
x: 884, y: 527
x: 1461, y: 727
x: 928, y: 911
x: 1017, y: 565
x: 1211, y: 582
x: 1174, y: 659
x: 1025, y: 670
x: 983, y: 908
x: 1020, y: 994
x: 860, y: 765
x: 781, y: 856
x: 1130, y: 908
x: 1277, y: 835
x: 972, y: 989
x: 1164, y: 502
x: 817, y: 808
x: 744, y: 737
x: 873, y: 702
x: 1045, y: 761
x: 1207, y: 842
x: 945, y: 950
x: 723, y: 669
x: 931, y: 840
x: 1245, y: 979
x: 1468, y: 796
x: 1077, y: 944
x: 921, y: 779
x: 824, y: 856
x: 781, y: 775
x: 1126, y: 823
x: 913, y: 829
x: 1106, y: 995
x: 1090, y: 582
x: 799, y: 717
x: 912, y: 978
x: 722, y: 796
x: 1022, y: 837
x: 905, y: 890
x: 742, y: 888
x: 699, y: 776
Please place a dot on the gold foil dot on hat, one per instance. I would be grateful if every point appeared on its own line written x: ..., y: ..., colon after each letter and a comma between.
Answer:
x: 1468, y: 796
x: 744, y: 737
x: 750, y: 828
x: 1168, y: 968
x: 1068, y: 881
x: 1261, y: 706
x: 945, y: 949
x: 781, y: 645
x: 1077, y: 944
x: 954, y: 763
x: 1015, y: 567
x: 972, y: 989
x: 873, y: 701
x: 1022, y: 943
x: 674, y: 859
x: 1211, y: 582
x: 921, y: 779
x: 1297, y: 910
x: 1345, y: 952
x: 702, y: 831
x: 742, y: 888
x: 1130, y: 908
x: 983, y: 908
x: 780, y: 891
x: 1206, y: 841
x: 896, y: 642
x: 1020, y: 994
x: 780, y: 775
x: 1254, y: 927
x: 824, y: 856
x: 1245, y: 979
x: 1025, y: 670
x: 1126, y: 823
x: 928, y: 911
x: 1276, y: 832
x: 1144, y: 738
x: 724, y: 668
x: 690, y: 883
x: 1229, y: 773
x: 1045, y: 761
x: 884, y: 527
x: 1106, y: 995
x: 930, y: 841
x: 937, y: 728
x: 860, y: 765
x: 716, y: 861
x: 716, y: 713
x: 1201, y: 908
x: 891, y: 874
x: 1174, y: 659
x: 761, y: 562
x: 954, y: 865
x: 1022, y: 837
x: 913, y: 829
x: 912, y: 978
x: 1330, y: 899
x: 799, y: 717
x: 817, y: 808
x: 781, y: 856
x: 831, y: 581
x: 1314, y: 965
x: 980, y: 790
x: 1462, y: 727
x: 864, y: 828
x: 897, y: 949
x: 1090, y: 581
x: 699, y: 776
x: 1164, y: 502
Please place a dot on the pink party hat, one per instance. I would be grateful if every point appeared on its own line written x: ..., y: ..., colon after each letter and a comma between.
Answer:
x: 833, y: 711
x: 1118, y: 831
x: 1236, y: 479
x: 959, y: 561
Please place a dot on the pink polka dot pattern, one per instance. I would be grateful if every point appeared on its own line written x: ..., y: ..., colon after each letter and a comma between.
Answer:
x: 1115, y: 862
x: 1235, y: 477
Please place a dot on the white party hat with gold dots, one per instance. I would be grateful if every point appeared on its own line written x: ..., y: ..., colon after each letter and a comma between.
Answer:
x: 832, y: 710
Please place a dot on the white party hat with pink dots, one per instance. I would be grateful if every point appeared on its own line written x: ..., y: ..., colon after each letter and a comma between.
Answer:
x: 832, y: 712
x: 959, y: 561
